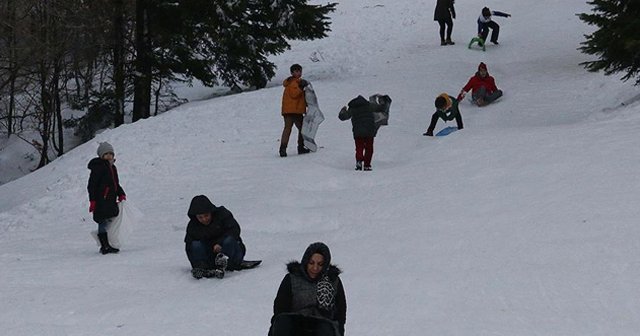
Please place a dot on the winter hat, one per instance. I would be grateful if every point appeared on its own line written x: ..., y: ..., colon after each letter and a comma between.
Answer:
x: 104, y: 148
x: 486, y: 12
x: 482, y: 66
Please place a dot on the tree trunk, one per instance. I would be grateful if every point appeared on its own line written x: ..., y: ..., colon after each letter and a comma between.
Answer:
x: 142, y: 81
x: 118, y: 62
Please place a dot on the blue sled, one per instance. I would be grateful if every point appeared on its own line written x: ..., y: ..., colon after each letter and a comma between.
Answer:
x: 446, y: 131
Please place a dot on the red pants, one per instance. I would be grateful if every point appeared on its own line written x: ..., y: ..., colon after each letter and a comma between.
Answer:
x: 364, y: 150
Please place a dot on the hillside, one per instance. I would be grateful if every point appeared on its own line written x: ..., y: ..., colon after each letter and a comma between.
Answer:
x: 523, y: 223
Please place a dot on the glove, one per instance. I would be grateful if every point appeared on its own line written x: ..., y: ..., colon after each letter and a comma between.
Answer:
x: 302, y: 84
x: 461, y: 95
x: 92, y: 206
x: 122, y: 198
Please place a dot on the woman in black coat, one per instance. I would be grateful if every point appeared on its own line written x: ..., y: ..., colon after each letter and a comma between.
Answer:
x: 310, y: 300
x: 444, y: 14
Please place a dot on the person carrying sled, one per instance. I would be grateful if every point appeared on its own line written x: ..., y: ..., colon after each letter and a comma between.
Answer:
x: 444, y: 14
x: 293, y: 109
x: 485, y: 23
x: 446, y: 109
x: 483, y: 87
x: 310, y: 299
x: 364, y: 129
x: 212, y: 242
x: 104, y: 193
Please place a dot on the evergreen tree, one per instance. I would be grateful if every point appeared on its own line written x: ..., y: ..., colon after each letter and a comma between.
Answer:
x: 229, y: 42
x: 616, y: 41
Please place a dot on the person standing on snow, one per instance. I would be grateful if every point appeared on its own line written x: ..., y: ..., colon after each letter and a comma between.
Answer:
x: 212, y: 241
x: 446, y: 109
x: 485, y: 23
x: 293, y: 109
x: 310, y: 299
x: 483, y: 87
x: 444, y: 14
x: 104, y: 193
x: 364, y: 129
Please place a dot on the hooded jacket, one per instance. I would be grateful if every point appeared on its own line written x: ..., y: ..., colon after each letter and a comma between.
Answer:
x: 362, y: 120
x: 222, y: 222
x: 293, y: 101
x: 104, y: 188
x: 301, y: 295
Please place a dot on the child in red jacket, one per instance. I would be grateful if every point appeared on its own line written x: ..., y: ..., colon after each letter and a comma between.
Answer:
x: 483, y: 86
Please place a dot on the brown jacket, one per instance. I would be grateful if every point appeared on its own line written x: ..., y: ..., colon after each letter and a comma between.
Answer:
x: 293, y: 97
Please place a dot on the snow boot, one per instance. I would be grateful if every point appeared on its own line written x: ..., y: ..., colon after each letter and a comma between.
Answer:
x: 449, y: 42
x: 283, y: 151
x: 221, y: 261
x: 105, y: 248
x: 367, y: 168
x: 303, y: 150
x: 358, y: 165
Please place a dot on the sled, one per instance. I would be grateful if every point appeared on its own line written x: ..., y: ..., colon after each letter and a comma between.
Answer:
x: 447, y: 131
x: 479, y: 41
x: 249, y: 264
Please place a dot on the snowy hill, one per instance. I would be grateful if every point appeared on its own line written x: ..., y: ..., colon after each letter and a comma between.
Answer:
x: 523, y: 223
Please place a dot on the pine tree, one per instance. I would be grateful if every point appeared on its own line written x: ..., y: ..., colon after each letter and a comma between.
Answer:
x: 616, y: 41
x: 229, y: 42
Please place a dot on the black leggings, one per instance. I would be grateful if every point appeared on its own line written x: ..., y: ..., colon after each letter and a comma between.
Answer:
x: 448, y: 24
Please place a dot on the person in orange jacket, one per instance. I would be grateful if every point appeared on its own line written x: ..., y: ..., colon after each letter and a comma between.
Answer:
x: 483, y: 86
x: 294, y: 107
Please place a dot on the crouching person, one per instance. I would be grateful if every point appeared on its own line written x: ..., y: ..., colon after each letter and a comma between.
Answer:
x: 310, y: 300
x: 212, y: 241
x: 446, y: 109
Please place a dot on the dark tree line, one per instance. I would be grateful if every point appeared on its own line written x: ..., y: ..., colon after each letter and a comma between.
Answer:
x: 101, y: 56
x: 616, y: 41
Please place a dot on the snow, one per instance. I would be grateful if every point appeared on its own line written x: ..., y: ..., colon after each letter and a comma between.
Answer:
x: 523, y: 223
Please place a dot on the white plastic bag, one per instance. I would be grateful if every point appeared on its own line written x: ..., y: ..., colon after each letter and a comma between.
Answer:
x: 119, y: 230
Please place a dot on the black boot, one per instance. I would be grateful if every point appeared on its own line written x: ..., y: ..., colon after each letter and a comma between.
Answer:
x: 104, y: 244
x: 283, y: 151
x: 303, y: 150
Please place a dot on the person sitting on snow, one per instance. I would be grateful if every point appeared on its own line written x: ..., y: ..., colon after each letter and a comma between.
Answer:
x: 485, y: 23
x: 483, y: 86
x: 212, y: 242
x: 446, y: 109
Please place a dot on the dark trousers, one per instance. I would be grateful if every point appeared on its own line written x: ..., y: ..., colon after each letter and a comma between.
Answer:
x: 298, y: 325
x: 481, y: 93
x: 448, y: 25
x: 291, y: 119
x: 364, y: 150
x: 200, y: 253
x: 434, y: 121
x: 494, y: 34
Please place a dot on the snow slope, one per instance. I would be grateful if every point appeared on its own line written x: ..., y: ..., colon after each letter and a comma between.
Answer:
x: 523, y: 223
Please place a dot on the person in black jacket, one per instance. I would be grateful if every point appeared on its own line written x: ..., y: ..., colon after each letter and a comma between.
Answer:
x: 310, y: 299
x: 104, y: 193
x: 212, y: 242
x: 447, y: 110
x: 360, y: 111
x: 444, y: 14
